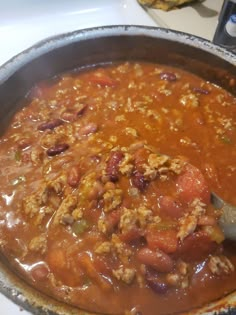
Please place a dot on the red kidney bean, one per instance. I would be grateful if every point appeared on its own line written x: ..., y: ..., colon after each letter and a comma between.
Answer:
x: 168, y: 76
x: 112, y: 168
x: 102, y: 79
x: 88, y: 129
x: 138, y: 181
x: 196, y: 246
x: 68, y: 116
x: 39, y: 272
x: 71, y: 115
x: 57, y: 149
x: 74, y: 176
x: 81, y: 108
x: 200, y: 90
x: 156, y: 284
x: 157, y: 259
x: 112, y: 220
x: 140, y: 158
x: 50, y: 124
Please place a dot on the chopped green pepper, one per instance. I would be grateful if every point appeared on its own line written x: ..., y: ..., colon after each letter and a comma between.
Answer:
x: 18, y: 156
x: 225, y: 139
x: 87, y: 281
x: 80, y: 226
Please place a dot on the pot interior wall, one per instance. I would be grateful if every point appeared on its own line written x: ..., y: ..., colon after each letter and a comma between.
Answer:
x: 105, y: 49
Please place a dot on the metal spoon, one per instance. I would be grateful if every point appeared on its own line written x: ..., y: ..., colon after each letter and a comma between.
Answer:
x: 228, y: 219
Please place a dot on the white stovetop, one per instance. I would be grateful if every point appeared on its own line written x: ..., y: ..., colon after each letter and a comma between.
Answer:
x: 25, y: 22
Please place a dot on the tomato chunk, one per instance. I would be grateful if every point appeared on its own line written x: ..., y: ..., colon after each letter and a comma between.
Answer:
x: 192, y: 184
x: 131, y: 235
x: 165, y: 240
x: 57, y: 259
x: 170, y: 207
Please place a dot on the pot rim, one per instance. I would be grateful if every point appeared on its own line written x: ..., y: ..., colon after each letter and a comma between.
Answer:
x: 58, y: 41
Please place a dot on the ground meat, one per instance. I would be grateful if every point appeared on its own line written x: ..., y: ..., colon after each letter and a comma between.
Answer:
x: 131, y: 131
x: 31, y: 205
x: 156, y: 161
x: 128, y: 219
x: 121, y: 249
x: 188, y: 225
x: 39, y: 244
x: 126, y: 166
x: 102, y: 226
x: 176, y: 165
x: 189, y: 100
x: 77, y: 214
x: 135, y: 218
x: 220, y: 265
x: 112, y: 199
x: 150, y: 173
x: 144, y: 216
x: 103, y: 248
x: 189, y: 222
x: 126, y: 275
x: 198, y: 207
x: 57, y: 184
x: 180, y: 278
x: 67, y: 206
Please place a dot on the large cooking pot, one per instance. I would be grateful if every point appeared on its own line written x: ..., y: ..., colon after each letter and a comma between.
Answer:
x: 98, y: 46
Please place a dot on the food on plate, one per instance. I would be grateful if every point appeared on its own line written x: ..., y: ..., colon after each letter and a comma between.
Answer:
x: 106, y: 176
x: 164, y: 4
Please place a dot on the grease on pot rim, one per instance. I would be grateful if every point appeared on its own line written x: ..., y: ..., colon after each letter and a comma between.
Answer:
x: 109, y: 172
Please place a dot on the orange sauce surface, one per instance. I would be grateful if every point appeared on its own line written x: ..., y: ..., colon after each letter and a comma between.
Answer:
x: 105, y: 188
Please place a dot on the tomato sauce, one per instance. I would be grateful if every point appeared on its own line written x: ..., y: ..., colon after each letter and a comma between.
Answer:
x: 105, y: 186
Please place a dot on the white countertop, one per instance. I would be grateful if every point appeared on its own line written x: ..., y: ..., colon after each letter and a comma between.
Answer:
x: 198, y: 18
x: 25, y: 22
